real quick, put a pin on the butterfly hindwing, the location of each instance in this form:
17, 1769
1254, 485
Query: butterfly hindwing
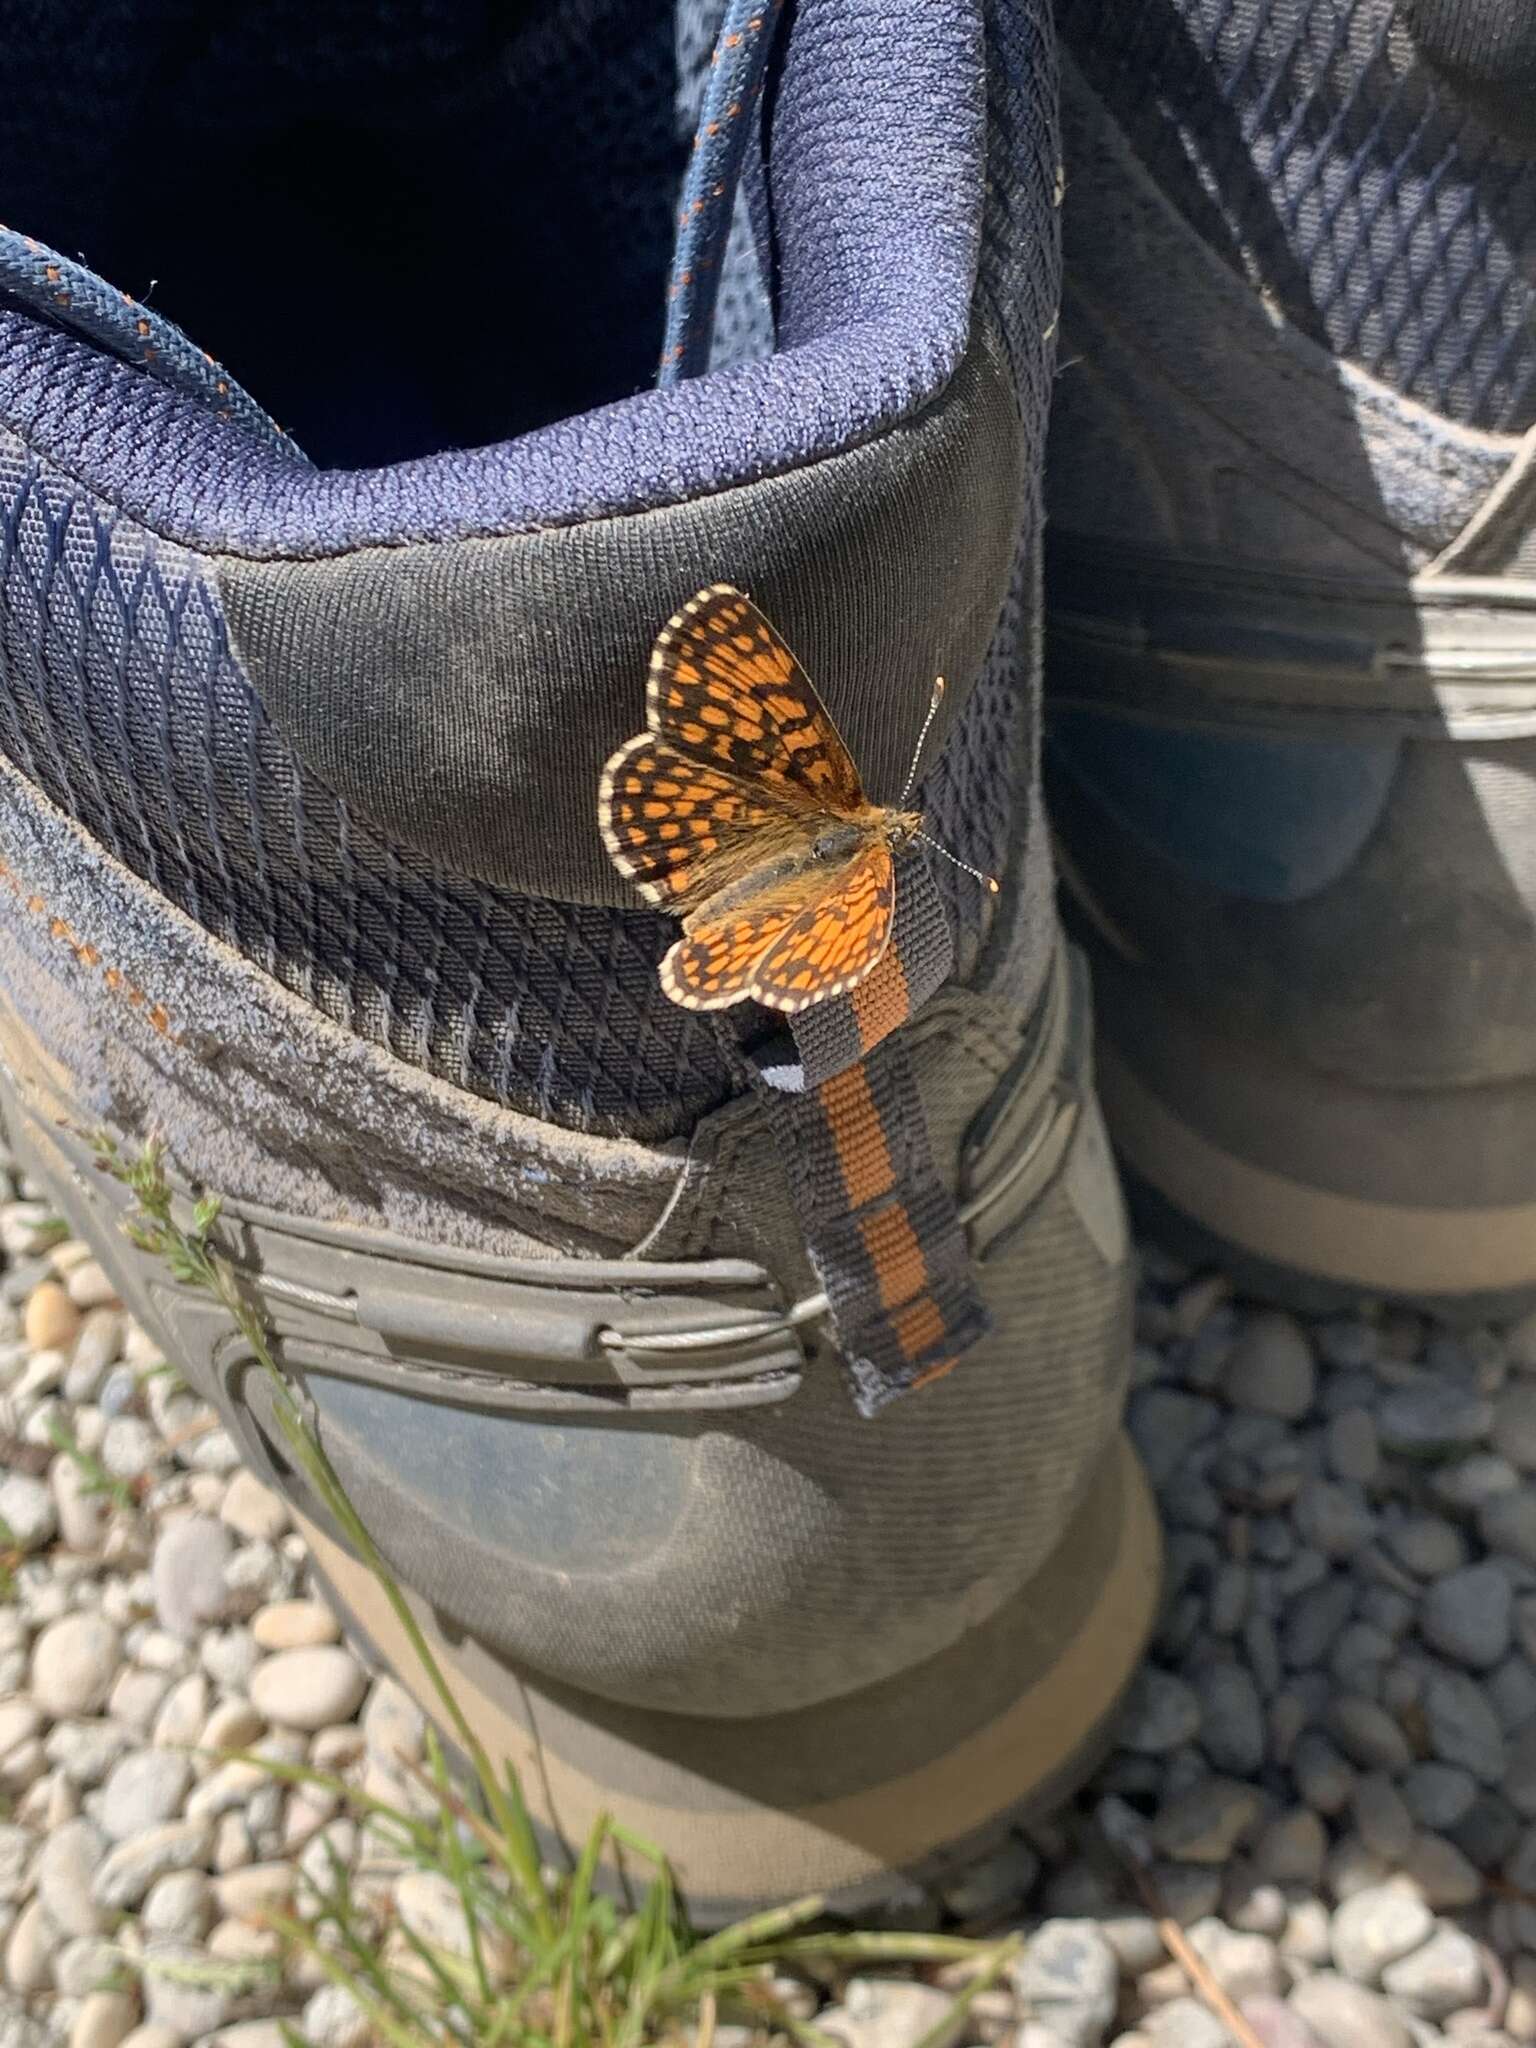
837, 940
725, 688
816, 937
668, 818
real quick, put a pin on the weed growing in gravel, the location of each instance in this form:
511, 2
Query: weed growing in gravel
526, 1956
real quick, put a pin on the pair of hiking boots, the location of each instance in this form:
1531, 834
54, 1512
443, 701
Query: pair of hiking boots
738, 1390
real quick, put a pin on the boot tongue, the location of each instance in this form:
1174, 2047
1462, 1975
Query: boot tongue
67, 295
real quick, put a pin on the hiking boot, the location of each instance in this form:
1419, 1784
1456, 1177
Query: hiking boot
736, 1389
1293, 632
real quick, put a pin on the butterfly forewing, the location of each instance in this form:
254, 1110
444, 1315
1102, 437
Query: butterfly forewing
672, 822
725, 688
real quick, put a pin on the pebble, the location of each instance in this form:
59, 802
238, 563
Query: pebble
1291, 1849
1346, 2015
29, 1951
74, 1662
1443, 1878
1367, 1734
1431, 1418
130, 1448
105, 2020
293, 1625
1462, 1727
1439, 1795
334, 2019
309, 1688
999, 1881
188, 1574
1468, 1615
81, 1514
177, 1907
133, 1866
192, 2008
1427, 1545
1231, 1718
254, 1511
1439, 1978
1068, 1977
1186, 2023
1382, 1820
27, 1511
890, 2012
1270, 1368
1166, 1425
1205, 1824
1514, 1425
1508, 1523
1376, 1925
66, 1865
1333, 1518
51, 1321
142, 1791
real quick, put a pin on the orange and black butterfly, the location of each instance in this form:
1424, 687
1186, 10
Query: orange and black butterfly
740, 808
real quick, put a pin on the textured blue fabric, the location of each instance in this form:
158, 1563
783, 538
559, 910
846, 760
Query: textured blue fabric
1274, 823
1312, 149
876, 149
122, 700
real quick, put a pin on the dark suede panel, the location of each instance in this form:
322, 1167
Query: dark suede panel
464, 695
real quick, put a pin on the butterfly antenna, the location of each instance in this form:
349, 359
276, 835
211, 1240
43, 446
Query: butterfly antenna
987, 881
922, 740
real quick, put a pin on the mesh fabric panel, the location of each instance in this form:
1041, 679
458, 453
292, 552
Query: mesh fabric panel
1309, 146
123, 703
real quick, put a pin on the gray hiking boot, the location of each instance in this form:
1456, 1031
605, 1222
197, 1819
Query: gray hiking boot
737, 1391
1293, 632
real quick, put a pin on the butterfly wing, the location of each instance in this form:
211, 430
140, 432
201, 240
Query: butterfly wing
794, 947
674, 824
724, 688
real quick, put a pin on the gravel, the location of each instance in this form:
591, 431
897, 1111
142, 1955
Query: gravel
1328, 1760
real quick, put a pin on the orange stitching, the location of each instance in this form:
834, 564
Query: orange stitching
89, 956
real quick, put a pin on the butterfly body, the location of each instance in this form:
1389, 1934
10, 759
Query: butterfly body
740, 809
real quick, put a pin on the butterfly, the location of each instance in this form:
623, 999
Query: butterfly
740, 808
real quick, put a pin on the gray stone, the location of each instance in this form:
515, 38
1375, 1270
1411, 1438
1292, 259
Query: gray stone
1508, 1523
1375, 1926
1230, 1597
1242, 1964
1345, 2015
66, 1865
1276, 2026
177, 1907
1313, 1620
999, 1881
1367, 1734
1231, 1718
1468, 1484
170, 1999
1431, 1418
1270, 1369
1468, 1616
1439, 1795
1185, 2023
1350, 1446
188, 1574
1514, 1425
1444, 1879
133, 1866
85, 1751
74, 1662
1291, 1849
1426, 1545
27, 1511
1384, 1822
144, 1790
1512, 1693
1333, 1517
131, 1447
1489, 1832
1205, 1824
1161, 1713
1463, 1729
1324, 1780
1166, 1425
1440, 1978
1069, 1978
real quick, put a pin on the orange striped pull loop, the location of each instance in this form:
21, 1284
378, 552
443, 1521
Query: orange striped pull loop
880, 1221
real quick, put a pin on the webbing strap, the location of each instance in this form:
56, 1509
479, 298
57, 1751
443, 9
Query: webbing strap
880, 1221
